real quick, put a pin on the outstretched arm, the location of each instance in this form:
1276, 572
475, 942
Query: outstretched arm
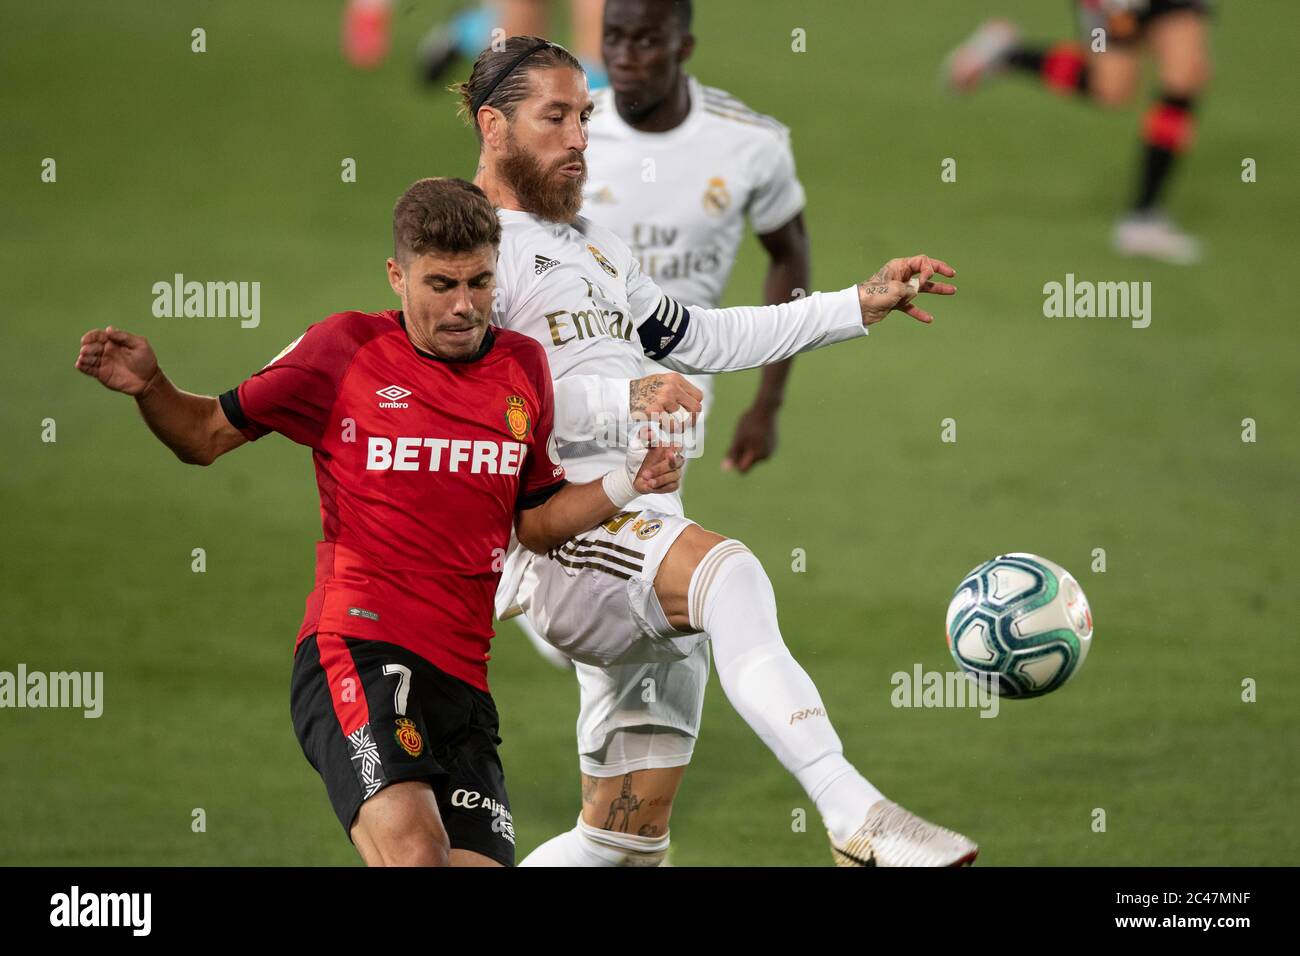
724, 340
193, 426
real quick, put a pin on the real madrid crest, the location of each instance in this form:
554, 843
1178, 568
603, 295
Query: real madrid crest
716, 197
517, 417
646, 528
602, 261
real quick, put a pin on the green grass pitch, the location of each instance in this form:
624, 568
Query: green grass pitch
1072, 435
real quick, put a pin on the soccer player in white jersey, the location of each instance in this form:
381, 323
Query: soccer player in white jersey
675, 170
715, 164
648, 585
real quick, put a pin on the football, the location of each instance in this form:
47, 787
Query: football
1022, 621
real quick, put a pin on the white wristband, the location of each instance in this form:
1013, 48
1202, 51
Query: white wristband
618, 484
618, 488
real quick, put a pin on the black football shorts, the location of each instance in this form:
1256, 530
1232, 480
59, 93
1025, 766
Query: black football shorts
370, 713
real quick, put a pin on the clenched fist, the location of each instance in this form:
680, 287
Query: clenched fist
121, 361
663, 398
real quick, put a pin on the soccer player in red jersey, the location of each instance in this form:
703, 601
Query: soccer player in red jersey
431, 437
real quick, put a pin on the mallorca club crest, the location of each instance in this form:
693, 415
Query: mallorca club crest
517, 417
716, 197
602, 261
408, 735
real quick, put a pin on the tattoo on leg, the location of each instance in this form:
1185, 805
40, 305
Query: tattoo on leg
650, 830
588, 789
624, 805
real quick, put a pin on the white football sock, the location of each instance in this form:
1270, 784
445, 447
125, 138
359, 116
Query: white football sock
731, 599
586, 845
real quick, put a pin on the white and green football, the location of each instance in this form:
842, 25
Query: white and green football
1022, 621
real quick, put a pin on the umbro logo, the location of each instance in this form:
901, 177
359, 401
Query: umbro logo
541, 264
394, 394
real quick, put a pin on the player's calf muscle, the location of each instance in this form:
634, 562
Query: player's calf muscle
639, 803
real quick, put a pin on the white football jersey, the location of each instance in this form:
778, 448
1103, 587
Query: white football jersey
577, 289
680, 198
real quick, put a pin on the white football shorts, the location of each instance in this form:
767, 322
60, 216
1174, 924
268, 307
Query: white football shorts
641, 682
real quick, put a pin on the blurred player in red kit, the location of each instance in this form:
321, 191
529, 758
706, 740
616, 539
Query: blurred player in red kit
1117, 32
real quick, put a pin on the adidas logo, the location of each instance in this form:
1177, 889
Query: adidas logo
541, 264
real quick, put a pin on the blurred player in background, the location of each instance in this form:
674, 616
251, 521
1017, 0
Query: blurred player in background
367, 32
1174, 33
716, 163
649, 585
431, 437
366, 27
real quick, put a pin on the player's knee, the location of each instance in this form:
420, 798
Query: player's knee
418, 849
678, 568
1112, 94
1187, 78
726, 573
404, 843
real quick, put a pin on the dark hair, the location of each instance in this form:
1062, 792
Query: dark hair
684, 12
500, 78
443, 215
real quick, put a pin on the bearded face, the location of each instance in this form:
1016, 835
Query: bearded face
552, 191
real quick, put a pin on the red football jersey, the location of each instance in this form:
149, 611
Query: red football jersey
421, 464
